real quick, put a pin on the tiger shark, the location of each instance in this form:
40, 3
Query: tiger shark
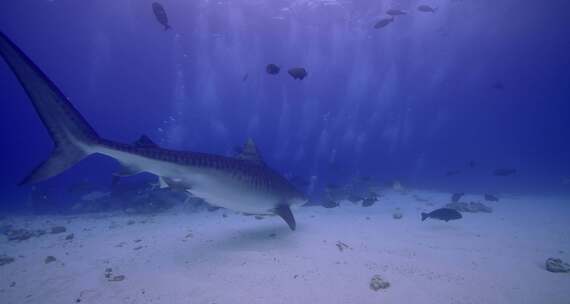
244, 183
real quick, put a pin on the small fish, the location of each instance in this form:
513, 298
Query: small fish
444, 214
297, 73
491, 198
471, 164
456, 197
160, 14
383, 22
426, 9
396, 12
272, 69
498, 86
452, 172
504, 172
244, 78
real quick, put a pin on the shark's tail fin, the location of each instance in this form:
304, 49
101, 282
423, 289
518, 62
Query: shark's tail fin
71, 134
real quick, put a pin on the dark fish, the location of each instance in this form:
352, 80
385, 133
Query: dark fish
452, 172
444, 214
297, 73
426, 9
471, 164
396, 12
504, 172
160, 14
272, 69
383, 22
244, 78
456, 197
491, 198
498, 86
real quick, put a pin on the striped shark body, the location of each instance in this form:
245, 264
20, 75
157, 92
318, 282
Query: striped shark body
244, 183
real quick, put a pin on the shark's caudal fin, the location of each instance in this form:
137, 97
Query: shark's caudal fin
69, 131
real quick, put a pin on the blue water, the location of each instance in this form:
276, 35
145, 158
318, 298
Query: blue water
483, 81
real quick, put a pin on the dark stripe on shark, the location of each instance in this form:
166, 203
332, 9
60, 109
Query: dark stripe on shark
254, 174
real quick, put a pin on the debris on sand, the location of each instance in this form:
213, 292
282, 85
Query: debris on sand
370, 200
329, 203
4, 259
557, 265
108, 272
456, 197
58, 229
397, 215
342, 246
377, 283
22, 234
117, 278
69, 237
491, 198
472, 207
50, 259
420, 199
111, 278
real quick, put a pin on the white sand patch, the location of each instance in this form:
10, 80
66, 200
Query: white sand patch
208, 258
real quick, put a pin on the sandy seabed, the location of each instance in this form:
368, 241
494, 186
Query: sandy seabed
224, 257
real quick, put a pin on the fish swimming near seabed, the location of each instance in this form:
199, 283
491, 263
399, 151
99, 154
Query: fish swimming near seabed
160, 15
235, 183
298, 73
444, 214
427, 9
383, 22
272, 69
396, 12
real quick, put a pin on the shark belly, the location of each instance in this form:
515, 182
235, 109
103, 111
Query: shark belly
230, 194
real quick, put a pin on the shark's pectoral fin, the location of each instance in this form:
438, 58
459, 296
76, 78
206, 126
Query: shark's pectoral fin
284, 211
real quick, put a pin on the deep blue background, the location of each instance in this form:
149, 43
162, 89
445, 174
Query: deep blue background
409, 101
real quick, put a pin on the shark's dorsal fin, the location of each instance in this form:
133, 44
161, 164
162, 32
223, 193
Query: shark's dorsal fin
249, 152
145, 142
